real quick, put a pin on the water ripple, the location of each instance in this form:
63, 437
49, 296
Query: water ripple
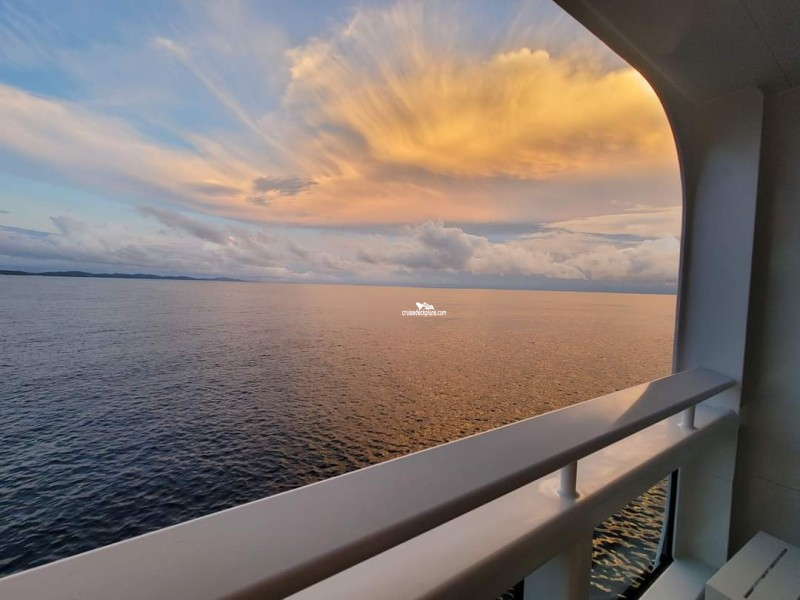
126, 406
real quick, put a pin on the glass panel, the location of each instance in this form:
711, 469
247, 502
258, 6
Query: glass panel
626, 545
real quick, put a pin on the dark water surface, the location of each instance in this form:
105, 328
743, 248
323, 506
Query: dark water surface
126, 406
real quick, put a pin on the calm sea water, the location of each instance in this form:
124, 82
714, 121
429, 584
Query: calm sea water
126, 406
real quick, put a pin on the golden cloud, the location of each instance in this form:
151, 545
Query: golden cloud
432, 102
108, 154
401, 115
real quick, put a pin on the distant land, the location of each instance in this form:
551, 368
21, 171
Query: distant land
116, 275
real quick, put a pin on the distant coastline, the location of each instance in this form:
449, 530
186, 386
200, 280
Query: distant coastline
114, 275
564, 287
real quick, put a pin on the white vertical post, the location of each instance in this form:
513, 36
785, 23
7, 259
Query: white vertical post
566, 576
720, 143
568, 487
687, 419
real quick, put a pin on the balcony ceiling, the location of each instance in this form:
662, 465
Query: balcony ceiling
702, 47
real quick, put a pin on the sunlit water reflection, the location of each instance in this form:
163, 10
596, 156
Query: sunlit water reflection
126, 406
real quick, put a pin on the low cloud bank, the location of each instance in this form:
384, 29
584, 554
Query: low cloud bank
428, 253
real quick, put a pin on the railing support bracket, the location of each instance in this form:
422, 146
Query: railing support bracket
568, 487
687, 419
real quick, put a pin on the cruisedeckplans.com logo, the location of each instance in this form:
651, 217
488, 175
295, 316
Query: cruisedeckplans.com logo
424, 310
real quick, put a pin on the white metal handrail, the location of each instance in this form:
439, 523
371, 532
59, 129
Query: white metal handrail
486, 551
282, 544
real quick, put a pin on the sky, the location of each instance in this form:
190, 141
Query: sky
470, 143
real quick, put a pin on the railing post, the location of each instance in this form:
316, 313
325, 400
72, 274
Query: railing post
568, 487
687, 419
566, 576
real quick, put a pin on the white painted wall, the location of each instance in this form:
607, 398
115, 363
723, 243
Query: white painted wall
767, 479
719, 144
742, 201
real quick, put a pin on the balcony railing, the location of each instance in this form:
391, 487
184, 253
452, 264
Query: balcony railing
465, 519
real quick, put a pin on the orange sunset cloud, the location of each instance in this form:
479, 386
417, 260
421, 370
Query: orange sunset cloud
388, 142
393, 117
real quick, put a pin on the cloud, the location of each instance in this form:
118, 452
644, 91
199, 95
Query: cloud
643, 222
402, 113
214, 188
24, 41
555, 254
267, 188
107, 154
283, 186
424, 253
399, 117
206, 250
430, 245
427, 97
217, 89
70, 226
5, 212
180, 222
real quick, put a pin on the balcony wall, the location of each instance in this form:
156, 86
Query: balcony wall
767, 479
709, 62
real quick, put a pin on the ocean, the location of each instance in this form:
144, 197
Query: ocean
130, 405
